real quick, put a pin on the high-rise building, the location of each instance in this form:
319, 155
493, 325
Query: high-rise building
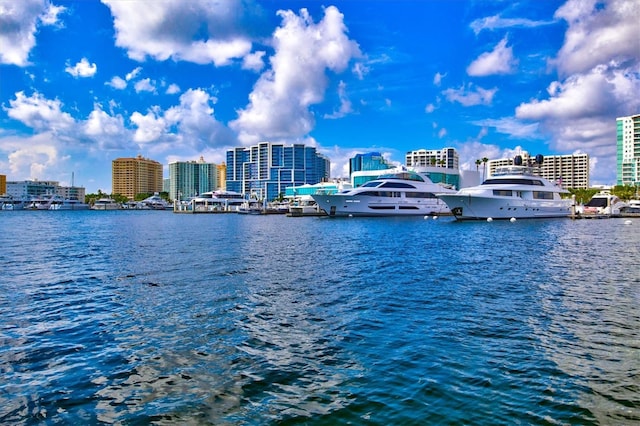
138, 175
191, 178
445, 157
266, 169
569, 171
369, 161
3, 184
628, 150
221, 176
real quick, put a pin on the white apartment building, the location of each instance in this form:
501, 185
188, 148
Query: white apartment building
445, 157
628, 150
570, 171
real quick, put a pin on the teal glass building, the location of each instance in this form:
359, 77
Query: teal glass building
187, 179
265, 170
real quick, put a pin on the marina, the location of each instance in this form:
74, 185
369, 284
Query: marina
230, 319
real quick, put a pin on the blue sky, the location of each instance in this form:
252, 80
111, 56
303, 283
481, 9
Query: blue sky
85, 82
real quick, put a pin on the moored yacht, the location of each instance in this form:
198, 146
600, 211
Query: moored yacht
603, 204
8, 202
511, 192
402, 193
106, 204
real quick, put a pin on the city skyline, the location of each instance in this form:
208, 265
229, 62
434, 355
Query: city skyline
83, 83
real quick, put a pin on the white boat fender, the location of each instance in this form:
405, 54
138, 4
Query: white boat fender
513, 219
435, 217
426, 217
489, 219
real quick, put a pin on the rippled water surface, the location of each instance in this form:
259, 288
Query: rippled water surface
153, 317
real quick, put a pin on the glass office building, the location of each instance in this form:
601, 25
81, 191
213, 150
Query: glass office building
628, 150
191, 178
266, 169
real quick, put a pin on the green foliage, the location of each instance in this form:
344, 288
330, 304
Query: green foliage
625, 192
583, 195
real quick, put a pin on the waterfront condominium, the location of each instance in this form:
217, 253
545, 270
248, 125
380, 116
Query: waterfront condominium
266, 169
628, 150
138, 175
445, 157
190, 178
568, 171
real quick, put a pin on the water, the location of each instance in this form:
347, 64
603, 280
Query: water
152, 317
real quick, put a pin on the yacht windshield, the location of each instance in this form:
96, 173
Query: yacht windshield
513, 181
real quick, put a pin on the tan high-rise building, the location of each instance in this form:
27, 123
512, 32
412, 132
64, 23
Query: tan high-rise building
131, 176
3, 184
221, 176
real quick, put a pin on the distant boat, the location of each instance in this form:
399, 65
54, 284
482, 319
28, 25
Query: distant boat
511, 192
403, 193
155, 202
106, 204
213, 201
8, 202
603, 204
55, 202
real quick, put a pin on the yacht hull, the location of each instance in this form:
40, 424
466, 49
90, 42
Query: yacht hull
340, 205
469, 207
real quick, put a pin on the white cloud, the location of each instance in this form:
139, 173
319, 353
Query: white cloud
468, 96
499, 61
117, 83
600, 92
280, 100
253, 61
509, 126
442, 133
133, 74
82, 69
437, 79
150, 127
39, 113
172, 89
204, 32
345, 103
19, 23
599, 33
145, 85
497, 22
430, 108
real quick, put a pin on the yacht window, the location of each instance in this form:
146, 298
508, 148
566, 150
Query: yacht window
513, 181
503, 192
542, 195
419, 195
371, 184
396, 185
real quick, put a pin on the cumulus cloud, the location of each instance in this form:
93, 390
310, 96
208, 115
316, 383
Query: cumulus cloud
345, 104
82, 69
598, 34
254, 61
497, 22
437, 79
19, 22
39, 113
304, 51
172, 89
470, 95
499, 61
145, 85
204, 32
133, 74
117, 83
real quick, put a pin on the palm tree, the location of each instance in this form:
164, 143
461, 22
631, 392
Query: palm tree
484, 171
478, 162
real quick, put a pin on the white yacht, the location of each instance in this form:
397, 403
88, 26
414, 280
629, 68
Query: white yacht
511, 192
402, 193
603, 204
106, 204
155, 202
8, 202
216, 201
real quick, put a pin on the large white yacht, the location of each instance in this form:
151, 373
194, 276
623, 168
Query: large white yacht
216, 201
603, 204
511, 192
106, 204
402, 193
